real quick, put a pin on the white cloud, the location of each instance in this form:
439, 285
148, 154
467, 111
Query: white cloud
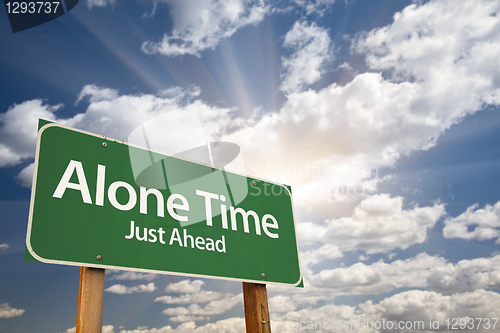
134, 276
230, 325
378, 277
185, 287
413, 306
115, 115
283, 323
218, 303
216, 307
364, 258
99, 3
466, 275
486, 222
4, 246
25, 177
438, 65
200, 25
315, 6
281, 303
97, 94
311, 49
448, 50
186, 327
108, 114
378, 224
121, 289
198, 297
6, 311
417, 305
440, 42
183, 318
422, 271
435, 64
310, 258
18, 130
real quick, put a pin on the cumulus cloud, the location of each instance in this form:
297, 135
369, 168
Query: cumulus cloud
378, 224
185, 287
311, 49
108, 329
417, 305
409, 306
116, 115
132, 276
435, 64
99, 3
121, 289
466, 275
441, 42
341, 313
6, 311
18, 130
198, 297
193, 294
25, 177
486, 223
97, 94
200, 25
216, 307
430, 68
4, 246
447, 50
230, 325
184, 318
378, 277
108, 113
281, 303
310, 258
315, 6
422, 271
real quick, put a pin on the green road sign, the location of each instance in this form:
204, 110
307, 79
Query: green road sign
174, 217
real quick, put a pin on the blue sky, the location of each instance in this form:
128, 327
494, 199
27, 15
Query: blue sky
389, 108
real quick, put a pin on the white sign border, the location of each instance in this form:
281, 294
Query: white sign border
71, 263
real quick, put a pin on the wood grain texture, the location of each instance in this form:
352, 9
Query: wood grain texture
90, 296
256, 308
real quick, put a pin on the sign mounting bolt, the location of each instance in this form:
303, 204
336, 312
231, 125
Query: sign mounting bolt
255, 183
263, 275
98, 257
104, 144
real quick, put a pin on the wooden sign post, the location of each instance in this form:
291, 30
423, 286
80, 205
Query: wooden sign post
90, 298
256, 308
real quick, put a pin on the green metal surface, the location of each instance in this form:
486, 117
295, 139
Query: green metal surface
67, 230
